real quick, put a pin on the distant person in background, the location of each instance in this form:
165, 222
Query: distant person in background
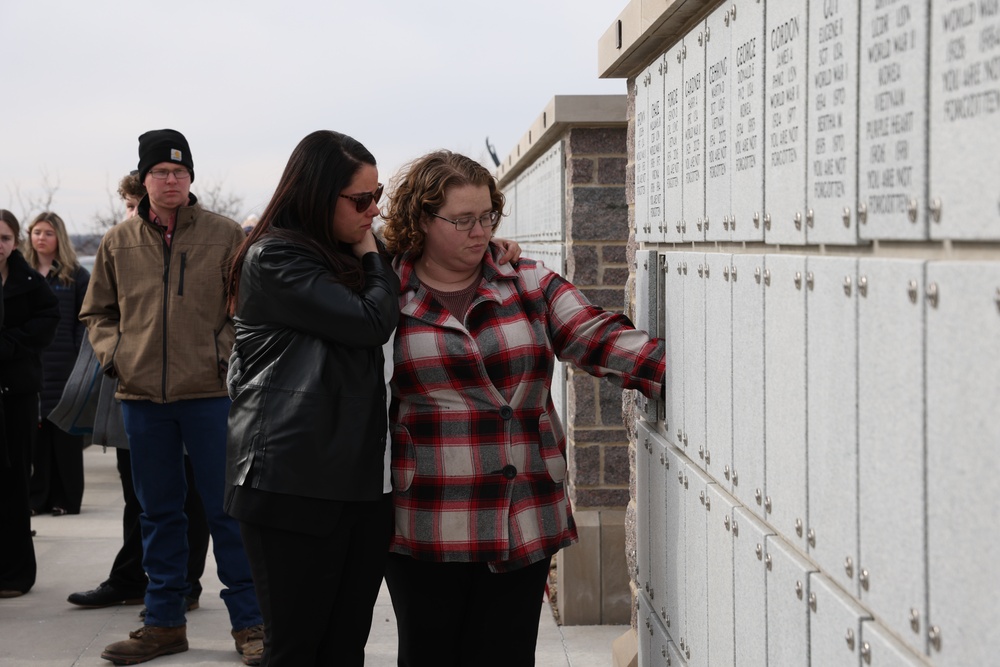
31, 315
57, 472
5, 465
157, 319
249, 223
3, 443
131, 190
126, 584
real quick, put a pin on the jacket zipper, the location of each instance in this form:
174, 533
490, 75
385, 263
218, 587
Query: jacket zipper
166, 297
180, 280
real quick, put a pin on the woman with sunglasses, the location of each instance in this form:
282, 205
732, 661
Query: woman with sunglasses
478, 457
314, 300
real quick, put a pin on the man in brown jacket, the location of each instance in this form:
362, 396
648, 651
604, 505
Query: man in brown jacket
156, 315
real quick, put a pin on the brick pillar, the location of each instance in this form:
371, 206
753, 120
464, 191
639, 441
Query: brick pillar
594, 576
596, 235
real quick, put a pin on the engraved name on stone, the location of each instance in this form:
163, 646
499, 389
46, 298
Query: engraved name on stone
656, 154
964, 162
746, 129
893, 126
786, 92
973, 56
672, 132
718, 134
641, 163
693, 128
829, 95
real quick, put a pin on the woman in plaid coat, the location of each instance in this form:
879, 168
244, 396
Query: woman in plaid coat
478, 459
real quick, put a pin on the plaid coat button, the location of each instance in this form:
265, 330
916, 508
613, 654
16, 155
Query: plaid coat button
506, 412
509, 471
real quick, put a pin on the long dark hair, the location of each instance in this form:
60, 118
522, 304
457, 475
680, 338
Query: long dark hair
302, 208
15, 226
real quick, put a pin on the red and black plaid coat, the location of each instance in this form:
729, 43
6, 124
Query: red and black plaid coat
478, 453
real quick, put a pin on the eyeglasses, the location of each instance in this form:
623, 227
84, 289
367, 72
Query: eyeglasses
364, 200
163, 174
486, 221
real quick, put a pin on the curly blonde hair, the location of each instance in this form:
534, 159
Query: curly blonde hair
420, 188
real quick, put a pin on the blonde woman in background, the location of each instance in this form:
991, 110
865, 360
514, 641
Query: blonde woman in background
57, 474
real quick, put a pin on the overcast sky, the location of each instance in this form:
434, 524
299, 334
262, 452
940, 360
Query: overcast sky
245, 80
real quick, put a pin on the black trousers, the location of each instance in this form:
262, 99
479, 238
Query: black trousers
126, 572
57, 470
317, 594
17, 553
463, 615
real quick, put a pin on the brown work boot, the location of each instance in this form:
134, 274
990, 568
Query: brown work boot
250, 644
146, 643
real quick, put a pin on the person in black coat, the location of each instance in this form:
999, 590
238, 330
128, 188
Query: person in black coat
31, 315
314, 302
57, 471
4, 457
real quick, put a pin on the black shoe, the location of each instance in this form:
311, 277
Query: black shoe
106, 595
192, 604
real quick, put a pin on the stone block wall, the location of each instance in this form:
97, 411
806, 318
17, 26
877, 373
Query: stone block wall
820, 247
594, 580
596, 232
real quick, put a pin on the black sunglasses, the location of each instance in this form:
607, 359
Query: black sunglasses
363, 201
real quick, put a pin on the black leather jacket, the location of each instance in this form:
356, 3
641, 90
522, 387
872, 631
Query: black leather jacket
308, 417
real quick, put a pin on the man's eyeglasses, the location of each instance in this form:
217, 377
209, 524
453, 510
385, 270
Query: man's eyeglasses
364, 200
163, 174
486, 221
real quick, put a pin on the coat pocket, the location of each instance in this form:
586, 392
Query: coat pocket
223, 341
404, 458
551, 448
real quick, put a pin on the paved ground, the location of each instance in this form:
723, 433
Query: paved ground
74, 553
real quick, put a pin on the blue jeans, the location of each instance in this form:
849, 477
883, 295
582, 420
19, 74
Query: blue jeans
157, 435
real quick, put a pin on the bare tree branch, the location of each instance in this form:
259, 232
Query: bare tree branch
212, 198
111, 215
30, 204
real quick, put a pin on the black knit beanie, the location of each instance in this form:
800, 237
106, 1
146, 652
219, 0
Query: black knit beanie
158, 146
